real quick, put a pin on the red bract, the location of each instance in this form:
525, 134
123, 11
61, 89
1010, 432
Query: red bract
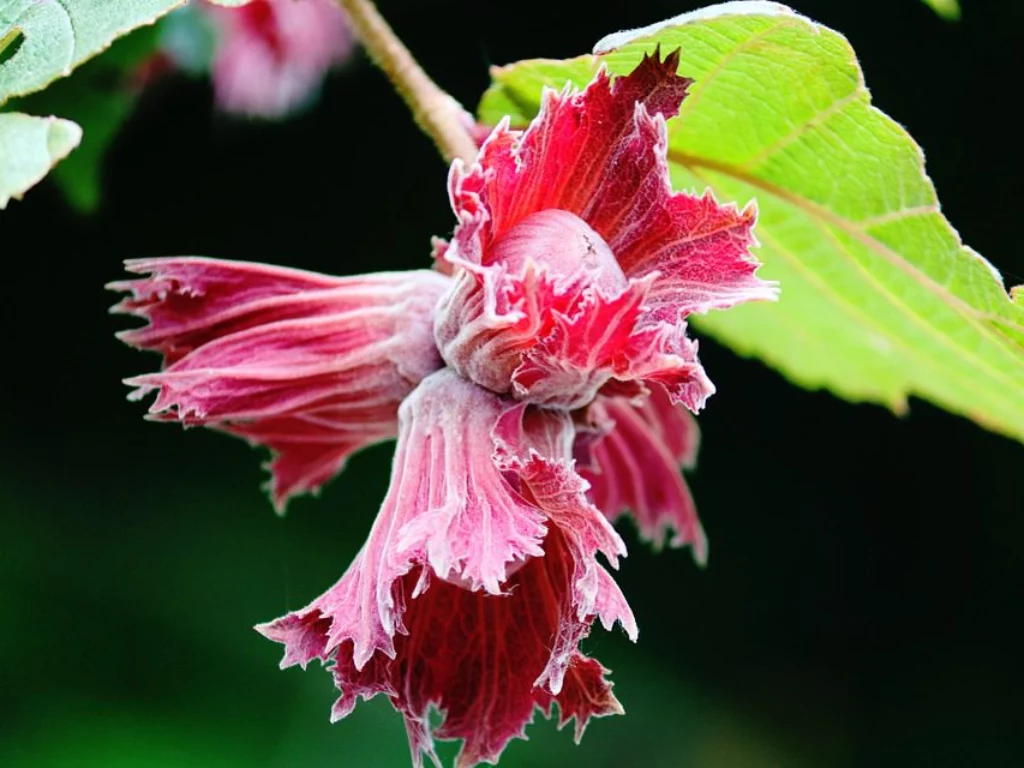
536, 383
575, 263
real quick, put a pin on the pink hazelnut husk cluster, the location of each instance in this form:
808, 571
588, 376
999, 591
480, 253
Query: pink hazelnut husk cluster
539, 382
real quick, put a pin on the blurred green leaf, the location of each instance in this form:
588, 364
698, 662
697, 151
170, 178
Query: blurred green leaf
880, 298
29, 147
947, 9
189, 38
59, 36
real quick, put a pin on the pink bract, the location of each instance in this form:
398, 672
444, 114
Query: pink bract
481, 562
272, 55
314, 367
537, 381
630, 454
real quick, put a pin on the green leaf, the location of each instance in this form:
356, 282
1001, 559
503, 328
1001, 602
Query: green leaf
58, 35
29, 147
99, 96
880, 299
947, 9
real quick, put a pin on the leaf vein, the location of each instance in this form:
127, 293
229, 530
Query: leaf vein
814, 121
690, 102
819, 212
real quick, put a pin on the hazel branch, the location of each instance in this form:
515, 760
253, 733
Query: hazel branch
434, 110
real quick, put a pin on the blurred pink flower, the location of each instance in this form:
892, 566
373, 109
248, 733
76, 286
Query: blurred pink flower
271, 56
536, 382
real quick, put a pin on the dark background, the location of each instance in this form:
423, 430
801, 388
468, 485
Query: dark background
860, 607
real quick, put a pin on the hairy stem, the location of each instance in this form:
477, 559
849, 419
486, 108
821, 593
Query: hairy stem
434, 110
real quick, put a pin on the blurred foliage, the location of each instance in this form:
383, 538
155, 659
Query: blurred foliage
947, 9
189, 39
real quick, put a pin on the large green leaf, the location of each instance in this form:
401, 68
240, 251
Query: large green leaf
29, 147
880, 299
57, 35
